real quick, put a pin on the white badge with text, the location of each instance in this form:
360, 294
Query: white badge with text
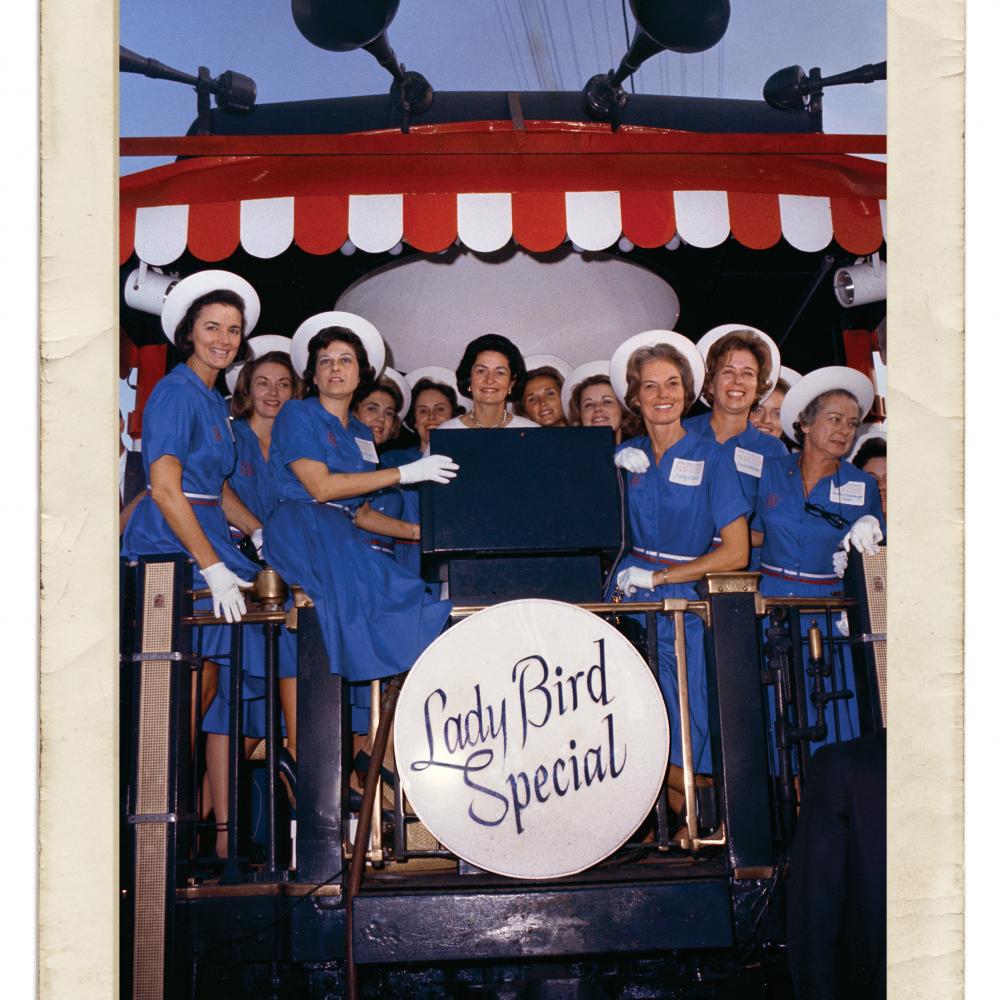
687, 472
367, 449
852, 493
751, 463
531, 739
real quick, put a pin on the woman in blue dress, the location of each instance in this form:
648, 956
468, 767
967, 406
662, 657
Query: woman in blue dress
188, 452
376, 617
435, 400
381, 411
682, 486
260, 388
589, 401
741, 365
814, 506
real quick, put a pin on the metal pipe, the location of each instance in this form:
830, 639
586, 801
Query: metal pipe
272, 737
684, 708
662, 803
231, 871
358, 854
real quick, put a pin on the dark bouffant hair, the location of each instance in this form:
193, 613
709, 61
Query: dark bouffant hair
490, 342
324, 338
874, 447
218, 297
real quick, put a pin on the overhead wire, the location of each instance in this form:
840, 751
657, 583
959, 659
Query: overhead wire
572, 44
553, 48
531, 46
607, 35
521, 82
593, 31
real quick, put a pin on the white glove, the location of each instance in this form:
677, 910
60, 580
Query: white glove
225, 586
865, 534
431, 469
632, 459
841, 624
632, 579
840, 562
257, 537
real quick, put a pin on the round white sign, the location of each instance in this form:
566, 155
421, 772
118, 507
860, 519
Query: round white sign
531, 739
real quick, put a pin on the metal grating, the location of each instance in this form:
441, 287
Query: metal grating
151, 794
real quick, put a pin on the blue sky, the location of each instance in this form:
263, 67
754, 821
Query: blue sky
483, 45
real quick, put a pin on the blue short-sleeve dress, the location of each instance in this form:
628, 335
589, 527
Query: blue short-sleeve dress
186, 419
749, 451
674, 508
797, 554
375, 616
254, 482
408, 553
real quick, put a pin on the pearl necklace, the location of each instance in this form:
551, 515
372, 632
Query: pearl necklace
488, 427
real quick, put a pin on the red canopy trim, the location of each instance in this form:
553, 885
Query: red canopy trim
381, 188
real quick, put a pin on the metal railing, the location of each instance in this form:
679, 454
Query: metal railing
787, 660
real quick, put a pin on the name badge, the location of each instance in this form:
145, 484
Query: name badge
686, 472
852, 493
367, 449
750, 463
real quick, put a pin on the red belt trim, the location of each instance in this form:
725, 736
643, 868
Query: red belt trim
800, 579
655, 561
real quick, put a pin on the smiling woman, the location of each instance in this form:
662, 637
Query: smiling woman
375, 616
681, 486
541, 400
491, 372
816, 505
188, 452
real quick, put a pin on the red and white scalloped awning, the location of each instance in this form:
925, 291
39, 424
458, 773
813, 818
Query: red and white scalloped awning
488, 186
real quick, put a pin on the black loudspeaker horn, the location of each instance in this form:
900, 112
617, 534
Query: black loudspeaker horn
343, 25
678, 25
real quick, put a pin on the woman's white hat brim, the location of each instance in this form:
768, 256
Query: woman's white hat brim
437, 373
790, 375
365, 330
259, 346
580, 374
534, 361
403, 386
870, 432
624, 351
718, 332
180, 297
815, 383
